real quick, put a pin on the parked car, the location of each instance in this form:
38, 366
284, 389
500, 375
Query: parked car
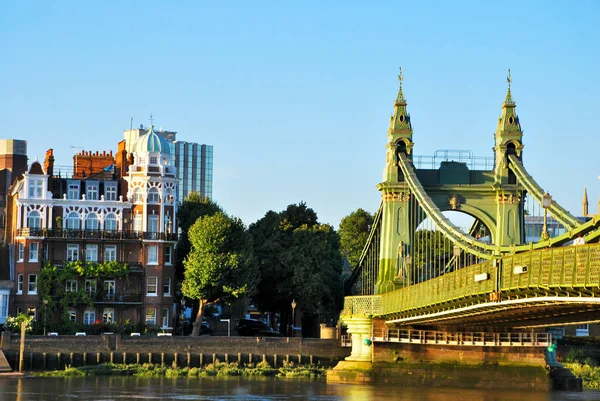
269, 333
250, 327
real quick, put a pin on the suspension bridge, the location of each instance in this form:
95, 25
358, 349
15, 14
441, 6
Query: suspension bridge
505, 272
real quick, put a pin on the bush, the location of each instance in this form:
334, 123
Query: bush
14, 323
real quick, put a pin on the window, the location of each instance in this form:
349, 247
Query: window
90, 287
108, 315
20, 284
168, 224
71, 286
91, 253
165, 318
152, 286
168, 255
582, 330
137, 195
34, 220
167, 286
109, 288
72, 315
73, 221
21, 252
33, 251
3, 306
153, 196
110, 253
151, 317
137, 223
153, 160
35, 189
89, 316
153, 255
72, 252
153, 224
110, 222
32, 284
73, 191
92, 191
110, 192
91, 221
31, 312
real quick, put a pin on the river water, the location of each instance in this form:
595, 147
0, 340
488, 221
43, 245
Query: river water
236, 389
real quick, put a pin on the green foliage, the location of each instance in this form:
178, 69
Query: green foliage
298, 259
220, 264
217, 369
13, 323
590, 375
430, 245
52, 286
354, 232
191, 209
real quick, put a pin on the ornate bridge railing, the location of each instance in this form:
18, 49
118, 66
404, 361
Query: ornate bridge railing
362, 305
466, 338
471, 284
572, 271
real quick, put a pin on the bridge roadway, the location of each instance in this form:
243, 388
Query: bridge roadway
550, 286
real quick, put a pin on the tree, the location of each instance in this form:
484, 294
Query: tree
191, 209
354, 232
220, 263
299, 259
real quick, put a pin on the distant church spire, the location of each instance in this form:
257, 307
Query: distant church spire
585, 203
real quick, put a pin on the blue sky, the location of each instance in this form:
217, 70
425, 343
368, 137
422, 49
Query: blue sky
295, 97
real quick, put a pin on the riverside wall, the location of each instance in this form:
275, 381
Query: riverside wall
57, 352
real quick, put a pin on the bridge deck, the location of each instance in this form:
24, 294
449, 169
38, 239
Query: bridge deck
535, 288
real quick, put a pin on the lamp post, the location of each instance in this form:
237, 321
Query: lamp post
293, 310
546, 202
45, 313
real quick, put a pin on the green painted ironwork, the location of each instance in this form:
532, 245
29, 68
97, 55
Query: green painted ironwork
572, 271
535, 190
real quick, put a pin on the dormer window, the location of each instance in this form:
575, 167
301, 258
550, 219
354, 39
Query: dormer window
153, 160
35, 189
92, 191
73, 190
110, 192
142, 160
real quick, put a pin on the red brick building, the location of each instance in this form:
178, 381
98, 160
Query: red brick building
121, 211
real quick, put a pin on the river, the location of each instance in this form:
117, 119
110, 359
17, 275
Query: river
236, 389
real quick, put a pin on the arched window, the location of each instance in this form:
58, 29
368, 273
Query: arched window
153, 196
137, 195
91, 221
34, 220
73, 221
110, 222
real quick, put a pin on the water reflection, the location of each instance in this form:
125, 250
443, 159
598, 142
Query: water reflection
237, 389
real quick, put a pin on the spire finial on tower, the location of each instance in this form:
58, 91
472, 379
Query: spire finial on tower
400, 77
400, 98
509, 79
151, 119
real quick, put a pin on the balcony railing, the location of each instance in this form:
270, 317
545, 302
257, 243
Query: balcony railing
133, 267
95, 234
124, 298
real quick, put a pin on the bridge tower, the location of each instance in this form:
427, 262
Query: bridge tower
509, 198
395, 195
490, 196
